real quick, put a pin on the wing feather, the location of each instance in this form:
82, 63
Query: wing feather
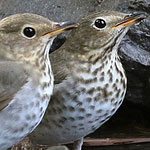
12, 78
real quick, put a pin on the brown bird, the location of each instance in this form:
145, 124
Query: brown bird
26, 39
90, 82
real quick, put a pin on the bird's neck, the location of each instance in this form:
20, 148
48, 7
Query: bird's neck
40, 69
40, 81
39, 86
96, 58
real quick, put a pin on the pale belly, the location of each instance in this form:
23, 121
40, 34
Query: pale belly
21, 116
73, 114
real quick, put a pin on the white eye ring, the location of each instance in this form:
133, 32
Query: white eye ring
28, 32
99, 24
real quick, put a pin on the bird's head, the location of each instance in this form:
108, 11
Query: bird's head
101, 31
26, 37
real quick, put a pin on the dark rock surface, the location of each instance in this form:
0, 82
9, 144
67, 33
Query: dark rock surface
56, 10
134, 51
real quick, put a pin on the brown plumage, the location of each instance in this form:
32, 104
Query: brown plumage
25, 39
90, 83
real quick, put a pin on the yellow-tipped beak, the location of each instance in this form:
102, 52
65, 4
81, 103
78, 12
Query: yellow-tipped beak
62, 28
130, 20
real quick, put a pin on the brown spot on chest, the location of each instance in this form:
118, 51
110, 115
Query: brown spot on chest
101, 79
105, 93
88, 115
71, 119
80, 117
91, 91
82, 110
88, 99
71, 108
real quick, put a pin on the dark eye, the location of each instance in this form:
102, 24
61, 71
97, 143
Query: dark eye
29, 32
100, 23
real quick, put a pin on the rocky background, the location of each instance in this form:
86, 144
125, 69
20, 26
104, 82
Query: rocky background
133, 117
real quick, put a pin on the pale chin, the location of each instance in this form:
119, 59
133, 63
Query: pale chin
49, 44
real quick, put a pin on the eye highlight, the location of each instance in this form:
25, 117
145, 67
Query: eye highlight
100, 23
29, 32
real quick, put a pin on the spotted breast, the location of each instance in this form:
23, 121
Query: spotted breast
90, 82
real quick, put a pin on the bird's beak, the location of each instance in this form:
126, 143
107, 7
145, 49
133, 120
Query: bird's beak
130, 20
61, 28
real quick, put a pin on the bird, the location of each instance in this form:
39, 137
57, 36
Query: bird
90, 82
25, 39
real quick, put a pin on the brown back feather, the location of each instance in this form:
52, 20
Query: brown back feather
12, 78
